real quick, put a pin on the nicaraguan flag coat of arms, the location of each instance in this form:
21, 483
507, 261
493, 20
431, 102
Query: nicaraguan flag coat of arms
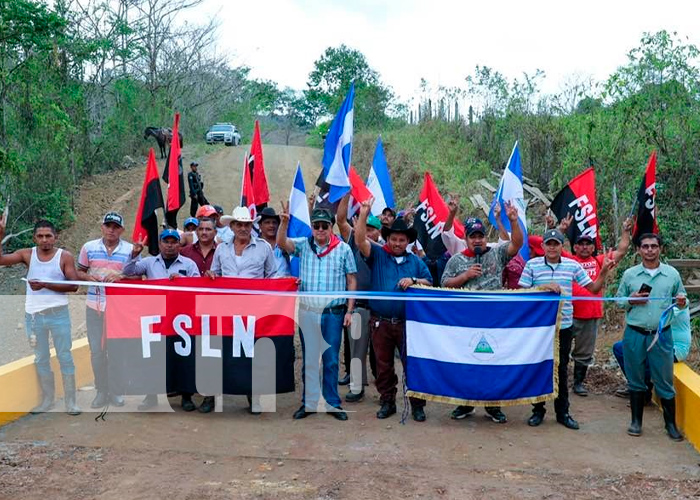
495, 348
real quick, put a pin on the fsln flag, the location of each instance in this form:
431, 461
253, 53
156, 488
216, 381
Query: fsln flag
257, 169
248, 194
379, 181
146, 223
175, 352
511, 189
646, 203
337, 152
429, 220
358, 189
323, 197
496, 351
174, 176
578, 199
299, 220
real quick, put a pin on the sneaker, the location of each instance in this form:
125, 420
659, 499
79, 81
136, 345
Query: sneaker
496, 415
462, 412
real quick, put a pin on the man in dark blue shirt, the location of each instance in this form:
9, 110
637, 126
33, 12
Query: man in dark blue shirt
393, 270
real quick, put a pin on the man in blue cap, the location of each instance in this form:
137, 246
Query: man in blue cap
167, 264
480, 267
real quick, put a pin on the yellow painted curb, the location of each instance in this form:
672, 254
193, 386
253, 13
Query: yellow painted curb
687, 384
20, 386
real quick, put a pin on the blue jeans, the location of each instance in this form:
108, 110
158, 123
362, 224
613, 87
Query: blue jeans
57, 322
320, 333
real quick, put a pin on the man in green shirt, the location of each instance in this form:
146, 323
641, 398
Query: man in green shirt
650, 280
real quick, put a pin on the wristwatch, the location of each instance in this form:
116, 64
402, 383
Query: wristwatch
414, 280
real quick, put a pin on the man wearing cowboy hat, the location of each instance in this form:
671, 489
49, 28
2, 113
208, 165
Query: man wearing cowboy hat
245, 256
269, 223
393, 270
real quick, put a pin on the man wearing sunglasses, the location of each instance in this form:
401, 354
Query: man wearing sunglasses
393, 270
650, 280
326, 265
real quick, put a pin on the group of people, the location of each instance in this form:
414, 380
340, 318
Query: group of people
369, 254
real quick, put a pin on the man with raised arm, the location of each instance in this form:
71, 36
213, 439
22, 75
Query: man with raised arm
480, 267
46, 310
393, 270
326, 265
557, 274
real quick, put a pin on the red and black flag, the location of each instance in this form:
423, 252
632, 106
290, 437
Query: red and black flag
248, 193
430, 217
201, 341
578, 199
256, 165
646, 203
174, 176
146, 224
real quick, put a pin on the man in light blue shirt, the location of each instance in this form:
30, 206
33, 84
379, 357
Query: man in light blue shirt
643, 342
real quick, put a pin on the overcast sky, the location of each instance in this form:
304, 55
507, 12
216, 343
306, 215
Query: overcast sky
442, 41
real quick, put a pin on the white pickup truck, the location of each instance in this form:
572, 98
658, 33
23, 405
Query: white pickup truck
223, 132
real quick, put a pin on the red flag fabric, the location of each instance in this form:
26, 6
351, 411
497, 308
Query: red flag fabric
146, 222
176, 191
435, 209
358, 189
175, 351
646, 203
248, 193
257, 169
578, 199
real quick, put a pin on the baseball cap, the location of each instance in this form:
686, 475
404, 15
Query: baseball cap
373, 221
390, 210
553, 234
113, 217
321, 215
219, 209
191, 220
206, 211
170, 233
194, 164
585, 237
473, 225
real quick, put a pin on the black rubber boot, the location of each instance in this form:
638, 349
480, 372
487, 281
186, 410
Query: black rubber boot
69, 395
637, 407
579, 376
48, 391
669, 408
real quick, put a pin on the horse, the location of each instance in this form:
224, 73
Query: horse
163, 136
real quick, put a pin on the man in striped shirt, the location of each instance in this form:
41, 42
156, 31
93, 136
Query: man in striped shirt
102, 261
557, 274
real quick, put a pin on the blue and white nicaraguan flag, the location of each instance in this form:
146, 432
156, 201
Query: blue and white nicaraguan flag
500, 350
379, 181
299, 220
337, 151
511, 189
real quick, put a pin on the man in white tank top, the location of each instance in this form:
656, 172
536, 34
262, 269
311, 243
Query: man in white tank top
47, 310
